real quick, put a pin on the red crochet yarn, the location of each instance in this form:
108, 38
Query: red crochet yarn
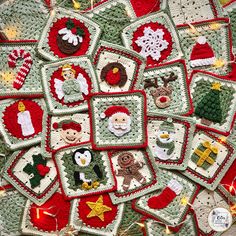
162, 200
60, 24
113, 78
56, 205
84, 210
167, 36
145, 7
10, 118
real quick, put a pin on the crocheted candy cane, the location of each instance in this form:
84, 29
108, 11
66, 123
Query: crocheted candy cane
24, 69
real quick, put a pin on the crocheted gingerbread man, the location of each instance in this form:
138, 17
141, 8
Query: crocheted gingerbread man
129, 169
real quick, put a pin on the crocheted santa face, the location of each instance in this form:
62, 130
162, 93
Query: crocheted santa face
119, 124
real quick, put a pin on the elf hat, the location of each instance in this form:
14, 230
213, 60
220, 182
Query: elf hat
202, 53
114, 109
67, 124
167, 125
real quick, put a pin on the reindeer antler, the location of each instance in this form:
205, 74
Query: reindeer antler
171, 77
148, 83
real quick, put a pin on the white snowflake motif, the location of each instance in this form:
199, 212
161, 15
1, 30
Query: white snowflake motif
152, 43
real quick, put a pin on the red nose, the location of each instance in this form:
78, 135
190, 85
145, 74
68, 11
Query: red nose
163, 99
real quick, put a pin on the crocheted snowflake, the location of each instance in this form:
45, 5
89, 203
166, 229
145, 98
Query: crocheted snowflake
152, 43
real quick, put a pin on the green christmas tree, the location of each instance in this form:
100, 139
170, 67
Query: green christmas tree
209, 108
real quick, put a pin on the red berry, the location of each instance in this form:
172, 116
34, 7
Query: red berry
73, 31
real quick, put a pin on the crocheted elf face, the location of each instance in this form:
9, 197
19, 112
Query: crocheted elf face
83, 159
68, 74
165, 136
71, 135
119, 124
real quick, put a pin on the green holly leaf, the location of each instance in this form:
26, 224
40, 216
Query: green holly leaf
79, 31
70, 24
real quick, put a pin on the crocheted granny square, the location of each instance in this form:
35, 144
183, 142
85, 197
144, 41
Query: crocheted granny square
12, 204
189, 228
228, 184
118, 68
96, 215
231, 10
167, 89
61, 131
68, 34
140, 35
23, 19
214, 101
32, 175
84, 172
116, 119
49, 219
207, 45
204, 203
169, 140
20, 70
21, 122
174, 211
67, 84
210, 158
112, 16
183, 11
136, 175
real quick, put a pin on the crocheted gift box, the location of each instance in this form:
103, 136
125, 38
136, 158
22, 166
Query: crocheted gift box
55, 132
75, 180
167, 89
131, 72
48, 46
32, 79
135, 105
220, 100
211, 176
181, 136
62, 97
134, 178
23, 172
175, 212
21, 122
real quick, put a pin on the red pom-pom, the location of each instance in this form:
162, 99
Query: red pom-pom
55, 125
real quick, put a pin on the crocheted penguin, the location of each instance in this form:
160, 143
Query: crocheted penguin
165, 142
86, 172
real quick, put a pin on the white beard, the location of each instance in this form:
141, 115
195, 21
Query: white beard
119, 130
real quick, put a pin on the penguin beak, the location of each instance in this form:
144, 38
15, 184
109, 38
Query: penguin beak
83, 161
165, 136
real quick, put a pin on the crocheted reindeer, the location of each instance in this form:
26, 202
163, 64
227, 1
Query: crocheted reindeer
162, 95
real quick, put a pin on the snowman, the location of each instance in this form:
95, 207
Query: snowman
165, 141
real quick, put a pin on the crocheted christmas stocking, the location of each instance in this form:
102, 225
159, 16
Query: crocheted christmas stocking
173, 189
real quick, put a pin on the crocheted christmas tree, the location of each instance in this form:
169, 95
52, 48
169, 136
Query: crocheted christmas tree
209, 108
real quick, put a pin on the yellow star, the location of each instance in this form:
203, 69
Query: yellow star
98, 208
216, 86
218, 63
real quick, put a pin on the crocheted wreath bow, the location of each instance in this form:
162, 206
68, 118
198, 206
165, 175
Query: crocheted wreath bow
38, 169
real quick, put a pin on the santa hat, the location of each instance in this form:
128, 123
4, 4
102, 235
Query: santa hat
202, 53
67, 124
167, 125
114, 109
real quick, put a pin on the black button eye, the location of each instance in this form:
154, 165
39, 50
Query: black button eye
74, 133
67, 132
123, 119
116, 119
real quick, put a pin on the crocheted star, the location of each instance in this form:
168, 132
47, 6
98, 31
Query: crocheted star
98, 209
152, 43
216, 86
